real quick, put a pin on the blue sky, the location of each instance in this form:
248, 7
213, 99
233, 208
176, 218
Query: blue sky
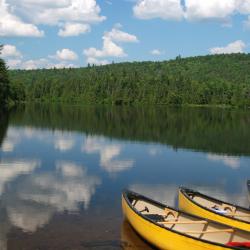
72, 33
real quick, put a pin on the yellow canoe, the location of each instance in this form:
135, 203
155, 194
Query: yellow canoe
202, 205
170, 229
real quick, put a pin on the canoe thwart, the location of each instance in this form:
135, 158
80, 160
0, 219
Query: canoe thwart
183, 222
209, 231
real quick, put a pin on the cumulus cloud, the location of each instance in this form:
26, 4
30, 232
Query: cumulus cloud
41, 63
66, 55
165, 9
243, 6
212, 9
74, 29
10, 51
43, 12
156, 52
73, 15
12, 25
234, 47
191, 9
14, 63
117, 35
95, 61
110, 47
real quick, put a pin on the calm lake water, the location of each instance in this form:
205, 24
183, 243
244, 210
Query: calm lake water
63, 168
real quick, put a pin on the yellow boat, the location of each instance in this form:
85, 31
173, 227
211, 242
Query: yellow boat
202, 205
170, 229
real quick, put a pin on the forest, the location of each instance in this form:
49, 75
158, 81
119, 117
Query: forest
4, 83
222, 80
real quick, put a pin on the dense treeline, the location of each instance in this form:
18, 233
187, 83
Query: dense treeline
220, 131
205, 80
10, 93
4, 83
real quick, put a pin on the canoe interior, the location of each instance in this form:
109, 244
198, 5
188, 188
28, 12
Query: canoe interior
232, 211
186, 224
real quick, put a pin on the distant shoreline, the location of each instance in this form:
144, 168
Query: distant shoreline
214, 80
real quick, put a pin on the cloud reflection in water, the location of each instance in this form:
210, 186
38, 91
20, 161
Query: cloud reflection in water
230, 161
109, 153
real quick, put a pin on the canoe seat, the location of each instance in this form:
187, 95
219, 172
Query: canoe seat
155, 217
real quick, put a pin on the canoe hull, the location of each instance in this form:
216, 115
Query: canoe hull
162, 238
190, 207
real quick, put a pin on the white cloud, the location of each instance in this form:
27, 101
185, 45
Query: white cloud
56, 12
66, 55
243, 6
14, 63
191, 9
11, 25
230, 161
212, 9
10, 51
117, 35
165, 9
74, 29
34, 64
41, 63
110, 47
73, 15
156, 52
95, 61
234, 47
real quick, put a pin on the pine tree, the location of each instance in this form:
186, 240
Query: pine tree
4, 82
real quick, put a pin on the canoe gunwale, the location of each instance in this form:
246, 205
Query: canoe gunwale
183, 191
125, 196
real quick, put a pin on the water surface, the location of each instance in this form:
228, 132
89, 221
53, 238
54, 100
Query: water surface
63, 168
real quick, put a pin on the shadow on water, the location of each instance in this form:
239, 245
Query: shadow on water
131, 240
214, 130
4, 120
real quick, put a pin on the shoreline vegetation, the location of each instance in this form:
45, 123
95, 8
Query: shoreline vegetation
203, 81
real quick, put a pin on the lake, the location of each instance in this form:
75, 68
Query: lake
63, 168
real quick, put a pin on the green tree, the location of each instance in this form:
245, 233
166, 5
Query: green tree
4, 82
